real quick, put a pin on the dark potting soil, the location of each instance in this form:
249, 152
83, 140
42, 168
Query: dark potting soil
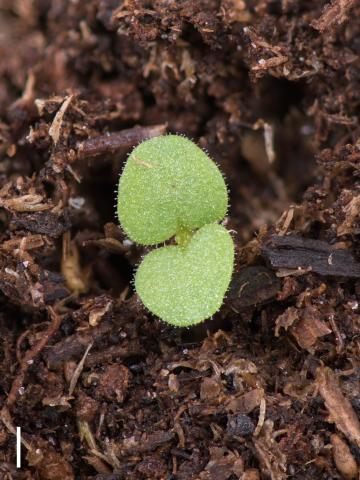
268, 388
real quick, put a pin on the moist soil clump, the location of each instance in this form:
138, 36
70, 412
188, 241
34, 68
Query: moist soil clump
268, 388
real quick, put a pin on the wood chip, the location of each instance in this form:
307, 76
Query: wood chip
304, 324
292, 252
309, 328
246, 402
339, 407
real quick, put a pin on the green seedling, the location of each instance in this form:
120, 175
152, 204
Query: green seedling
170, 188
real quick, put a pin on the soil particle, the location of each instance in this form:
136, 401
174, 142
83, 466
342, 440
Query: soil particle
86, 407
239, 426
113, 383
49, 463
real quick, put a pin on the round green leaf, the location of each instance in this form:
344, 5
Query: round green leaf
169, 185
184, 285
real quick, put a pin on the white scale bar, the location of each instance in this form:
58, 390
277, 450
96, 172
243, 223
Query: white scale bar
18, 447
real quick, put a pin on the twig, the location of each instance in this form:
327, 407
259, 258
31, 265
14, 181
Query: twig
117, 141
19, 342
5, 417
32, 354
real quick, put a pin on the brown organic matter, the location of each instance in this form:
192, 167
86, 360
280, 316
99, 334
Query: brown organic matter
268, 388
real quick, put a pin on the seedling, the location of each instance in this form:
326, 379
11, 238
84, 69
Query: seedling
170, 188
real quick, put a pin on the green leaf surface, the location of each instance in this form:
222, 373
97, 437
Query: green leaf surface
184, 285
169, 185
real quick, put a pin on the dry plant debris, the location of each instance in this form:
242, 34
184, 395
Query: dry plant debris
270, 387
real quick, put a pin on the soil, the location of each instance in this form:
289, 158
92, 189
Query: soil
268, 388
